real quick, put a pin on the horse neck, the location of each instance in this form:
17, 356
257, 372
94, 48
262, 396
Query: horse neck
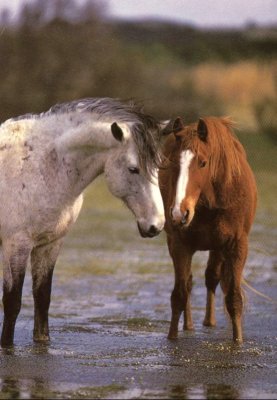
83, 131
219, 194
208, 195
84, 145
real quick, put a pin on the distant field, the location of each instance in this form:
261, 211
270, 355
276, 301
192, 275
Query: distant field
239, 87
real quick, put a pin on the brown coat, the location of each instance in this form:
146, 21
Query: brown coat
216, 214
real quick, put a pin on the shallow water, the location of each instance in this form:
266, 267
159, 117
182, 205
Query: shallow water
110, 314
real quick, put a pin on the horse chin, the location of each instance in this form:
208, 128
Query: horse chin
186, 224
141, 231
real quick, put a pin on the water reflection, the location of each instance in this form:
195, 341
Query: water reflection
22, 372
12, 388
204, 392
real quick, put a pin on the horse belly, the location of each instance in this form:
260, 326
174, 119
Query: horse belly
42, 222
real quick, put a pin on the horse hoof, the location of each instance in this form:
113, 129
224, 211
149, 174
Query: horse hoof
6, 345
188, 328
172, 336
208, 323
41, 338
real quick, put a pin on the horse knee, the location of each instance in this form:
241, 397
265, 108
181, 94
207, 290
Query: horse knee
180, 293
189, 284
176, 299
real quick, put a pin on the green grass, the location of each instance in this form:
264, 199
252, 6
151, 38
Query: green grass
261, 151
262, 156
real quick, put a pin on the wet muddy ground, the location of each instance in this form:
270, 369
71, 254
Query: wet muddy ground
110, 314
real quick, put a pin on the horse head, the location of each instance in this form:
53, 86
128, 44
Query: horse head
128, 180
188, 169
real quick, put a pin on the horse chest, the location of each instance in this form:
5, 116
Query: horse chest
205, 232
198, 238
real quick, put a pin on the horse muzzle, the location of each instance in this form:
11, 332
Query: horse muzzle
150, 232
182, 219
185, 218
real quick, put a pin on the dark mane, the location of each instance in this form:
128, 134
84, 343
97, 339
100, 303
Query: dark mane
144, 128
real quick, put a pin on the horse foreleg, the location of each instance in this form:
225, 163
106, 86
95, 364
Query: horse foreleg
16, 252
212, 278
180, 297
43, 261
188, 322
231, 277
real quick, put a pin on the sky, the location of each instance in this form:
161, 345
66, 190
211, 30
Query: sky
203, 13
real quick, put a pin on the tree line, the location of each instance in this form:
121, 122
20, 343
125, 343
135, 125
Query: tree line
59, 50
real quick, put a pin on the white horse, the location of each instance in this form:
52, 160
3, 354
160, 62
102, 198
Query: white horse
46, 162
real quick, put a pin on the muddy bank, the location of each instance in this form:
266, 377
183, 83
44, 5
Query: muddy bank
121, 351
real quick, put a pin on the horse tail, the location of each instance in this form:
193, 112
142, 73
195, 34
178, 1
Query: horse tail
257, 292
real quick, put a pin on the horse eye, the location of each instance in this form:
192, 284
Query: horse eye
202, 164
133, 170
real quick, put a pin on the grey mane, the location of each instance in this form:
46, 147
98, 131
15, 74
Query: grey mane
145, 128
101, 107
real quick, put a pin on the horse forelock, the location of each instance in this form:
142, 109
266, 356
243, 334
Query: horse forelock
146, 136
222, 146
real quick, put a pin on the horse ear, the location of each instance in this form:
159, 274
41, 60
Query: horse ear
166, 127
117, 132
178, 125
202, 130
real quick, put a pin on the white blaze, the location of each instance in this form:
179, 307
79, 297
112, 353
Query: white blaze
185, 160
156, 195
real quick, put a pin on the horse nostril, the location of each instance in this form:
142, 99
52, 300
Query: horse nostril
185, 217
153, 231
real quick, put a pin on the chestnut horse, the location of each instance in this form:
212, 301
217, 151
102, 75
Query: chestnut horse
209, 195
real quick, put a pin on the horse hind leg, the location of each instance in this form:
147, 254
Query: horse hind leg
43, 261
16, 252
212, 278
231, 277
